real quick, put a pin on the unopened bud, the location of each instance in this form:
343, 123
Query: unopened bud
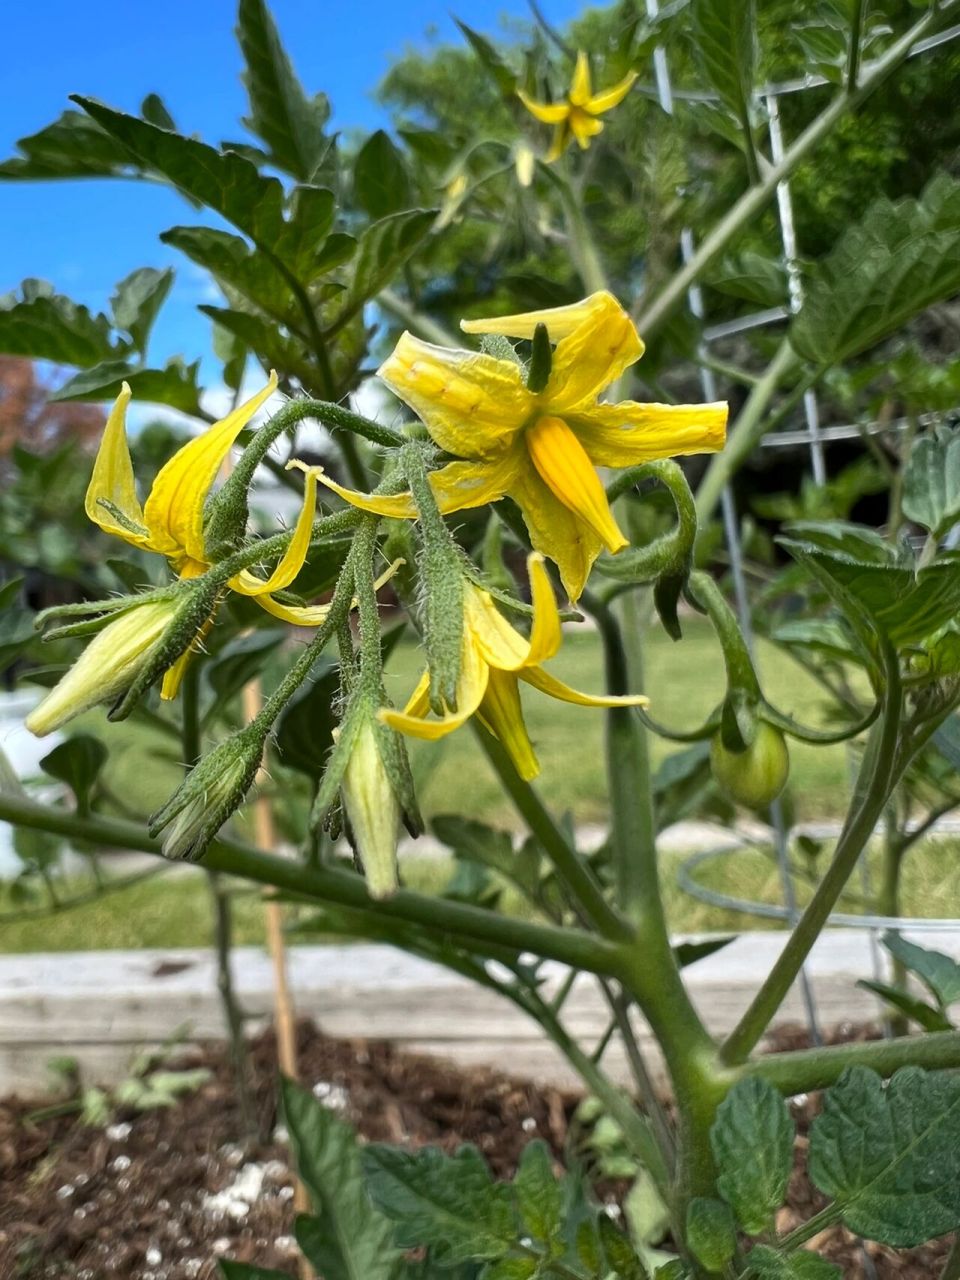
115, 659
373, 811
210, 794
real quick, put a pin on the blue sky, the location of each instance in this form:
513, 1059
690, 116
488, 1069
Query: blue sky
84, 236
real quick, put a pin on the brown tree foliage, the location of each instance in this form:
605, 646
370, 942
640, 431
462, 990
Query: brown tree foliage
30, 419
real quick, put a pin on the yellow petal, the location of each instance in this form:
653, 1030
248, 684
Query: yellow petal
571, 477
622, 435
591, 354
113, 483
501, 712
580, 87
298, 615
174, 510
547, 112
471, 687
561, 140
173, 676
499, 644
549, 684
584, 127
472, 404
247, 584
555, 531
612, 97
456, 487
560, 321
545, 633
418, 704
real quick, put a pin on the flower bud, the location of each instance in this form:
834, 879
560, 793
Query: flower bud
211, 793
755, 776
373, 811
109, 665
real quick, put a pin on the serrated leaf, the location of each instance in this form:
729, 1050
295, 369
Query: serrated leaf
539, 1194
77, 762
380, 177
752, 1142
275, 348
175, 385
289, 121
383, 249
501, 74
923, 1014
901, 259
349, 1237
619, 1252
304, 733
451, 1204
711, 1232
73, 146
753, 277
771, 1264
931, 480
235, 266
890, 1156
46, 326
939, 973
726, 40
137, 302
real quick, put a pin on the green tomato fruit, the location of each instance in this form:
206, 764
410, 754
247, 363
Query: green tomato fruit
754, 777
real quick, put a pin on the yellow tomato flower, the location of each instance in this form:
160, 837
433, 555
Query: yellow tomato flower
171, 520
576, 117
494, 658
541, 448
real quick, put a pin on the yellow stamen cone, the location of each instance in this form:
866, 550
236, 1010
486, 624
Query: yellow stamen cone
571, 477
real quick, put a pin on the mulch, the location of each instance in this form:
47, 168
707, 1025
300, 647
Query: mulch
161, 1195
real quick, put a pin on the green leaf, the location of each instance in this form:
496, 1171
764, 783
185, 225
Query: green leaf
890, 1155
726, 40
244, 1271
690, 952
16, 622
770, 1264
620, 1254
77, 762
449, 1203
235, 266
753, 277
240, 660
384, 247
498, 70
477, 842
516, 1267
72, 147
922, 1013
711, 1232
289, 121
46, 326
175, 385
275, 348
154, 109
304, 733
349, 1238
539, 1194
380, 177
222, 180
938, 972
901, 259
137, 302
931, 480
752, 1142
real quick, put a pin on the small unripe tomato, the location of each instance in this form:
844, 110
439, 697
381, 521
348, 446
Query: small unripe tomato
754, 777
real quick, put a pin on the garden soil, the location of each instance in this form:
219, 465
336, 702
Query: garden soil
162, 1194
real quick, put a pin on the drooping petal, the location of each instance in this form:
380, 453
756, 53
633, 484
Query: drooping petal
607, 99
499, 644
562, 137
549, 684
456, 487
298, 615
111, 500
174, 509
571, 477
584, 127
471, 687
547, 112
501, 713
593, 354
545, 634
580, 86
555, 531
560, 321
622, 435
248, 584
173, 676
472, 404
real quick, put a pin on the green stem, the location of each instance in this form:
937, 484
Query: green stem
481, 927
425, 326
652, 316
568, 864
876, 778
582, 244
856, 32
805, 1069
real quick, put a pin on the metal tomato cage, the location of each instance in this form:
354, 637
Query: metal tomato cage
813, 435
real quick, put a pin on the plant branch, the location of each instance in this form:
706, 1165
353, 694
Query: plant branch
805, 1069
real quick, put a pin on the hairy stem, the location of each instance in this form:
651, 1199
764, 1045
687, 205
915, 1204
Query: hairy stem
806, 1069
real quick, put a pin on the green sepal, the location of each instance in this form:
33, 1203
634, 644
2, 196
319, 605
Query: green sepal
541, 360
396, 761
738, 720
344, 742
